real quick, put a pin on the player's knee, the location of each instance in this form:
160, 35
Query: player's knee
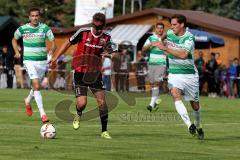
81, 104
156, 85
101, 103
81, 108
195, 105
103, 107
176, 95
36, 87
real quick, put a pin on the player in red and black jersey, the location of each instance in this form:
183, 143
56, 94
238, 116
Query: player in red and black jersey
87, 63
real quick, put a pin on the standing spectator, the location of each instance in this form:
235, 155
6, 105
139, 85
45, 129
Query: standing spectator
61, 66
141, 71
107, 71
8, 64
217, 75
59, 82
238, 79
233, 77
116, 60
201, 65
124, 68
210, 73
224, 77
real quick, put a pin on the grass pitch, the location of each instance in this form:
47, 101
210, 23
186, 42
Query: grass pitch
136, 133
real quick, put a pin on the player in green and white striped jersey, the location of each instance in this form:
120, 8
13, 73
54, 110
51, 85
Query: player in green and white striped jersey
35, 55
156, 64
183, 75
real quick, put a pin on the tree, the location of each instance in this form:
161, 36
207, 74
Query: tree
225, 8
60, 13
18, 9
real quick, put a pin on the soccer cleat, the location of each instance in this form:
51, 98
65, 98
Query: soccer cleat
158, 101
192, 130
28, 108
106, 135
76, 122
149, 108
200, 133
44, 119
155, 107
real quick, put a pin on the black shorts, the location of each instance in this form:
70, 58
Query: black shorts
83, 81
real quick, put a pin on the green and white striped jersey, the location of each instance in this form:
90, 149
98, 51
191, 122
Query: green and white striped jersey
186, 41
34, 41
156, 55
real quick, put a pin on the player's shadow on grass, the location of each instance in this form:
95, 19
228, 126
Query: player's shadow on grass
62, 109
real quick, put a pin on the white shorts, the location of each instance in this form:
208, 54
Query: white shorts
187, 83
36, 69
156, 73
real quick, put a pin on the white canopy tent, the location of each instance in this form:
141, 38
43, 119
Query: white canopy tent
129, 33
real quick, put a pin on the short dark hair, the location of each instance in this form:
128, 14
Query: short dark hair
159, 24
33, 9
99, 17
213, 53
180, 19
235, 59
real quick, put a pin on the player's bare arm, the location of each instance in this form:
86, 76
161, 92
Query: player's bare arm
152, 44
181, 53
15, 47
52, 48
164, 35
61, 51
145, 48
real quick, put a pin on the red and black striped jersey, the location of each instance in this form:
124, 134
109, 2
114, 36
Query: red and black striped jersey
87, 57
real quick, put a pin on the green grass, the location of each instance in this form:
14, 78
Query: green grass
136, 133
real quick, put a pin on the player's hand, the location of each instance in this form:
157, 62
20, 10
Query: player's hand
53, 63
50, 52
160, 45
17, 55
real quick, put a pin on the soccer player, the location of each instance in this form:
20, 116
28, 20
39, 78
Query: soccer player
156, 64
183, 75
87, 64
35, 54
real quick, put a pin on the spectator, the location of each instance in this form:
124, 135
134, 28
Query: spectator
8, 64
61, 66
124, 69
238, 79
201, 65
217, 75
106, 72
233, 77
224, 77
141, 71
210, 73
59, 82
116, 59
